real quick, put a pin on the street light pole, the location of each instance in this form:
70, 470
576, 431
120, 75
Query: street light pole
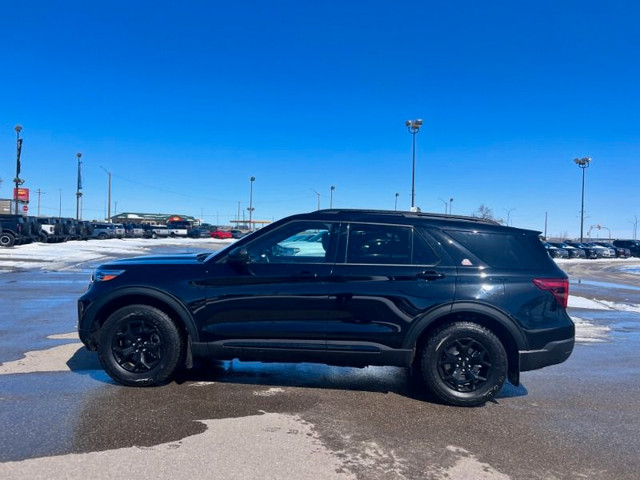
451, 206
18, 181
251, 180
108, 194
583, 163
509, 210
318, 195
395, 207
413, 127
79, 186
446, 205
331, 196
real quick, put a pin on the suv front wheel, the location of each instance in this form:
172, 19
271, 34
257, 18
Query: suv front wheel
140, 346
464, 364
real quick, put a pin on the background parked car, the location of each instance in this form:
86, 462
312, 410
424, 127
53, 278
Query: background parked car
11, 230
220, 234
573, 251
632, 245
160, 231
603, 252
590, 252
198, 232
178, 228
555, 252
621, 252
103, 231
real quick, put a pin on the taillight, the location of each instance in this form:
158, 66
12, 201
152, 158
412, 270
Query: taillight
558, 287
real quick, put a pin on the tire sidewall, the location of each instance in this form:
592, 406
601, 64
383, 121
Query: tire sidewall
433, 350
172, 346
7, 240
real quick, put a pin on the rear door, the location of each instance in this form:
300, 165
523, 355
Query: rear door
386, 277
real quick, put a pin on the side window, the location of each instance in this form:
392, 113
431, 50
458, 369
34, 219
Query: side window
296, 242
379, 244
388, 244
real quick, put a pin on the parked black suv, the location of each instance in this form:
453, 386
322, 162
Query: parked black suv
466, 302
14, 230
632, 245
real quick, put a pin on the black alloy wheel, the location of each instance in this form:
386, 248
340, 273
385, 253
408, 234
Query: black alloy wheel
140, 346
464, 364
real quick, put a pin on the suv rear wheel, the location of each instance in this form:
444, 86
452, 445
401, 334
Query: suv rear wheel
464, 364
140, 346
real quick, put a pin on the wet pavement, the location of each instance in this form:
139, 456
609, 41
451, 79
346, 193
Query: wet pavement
574, 420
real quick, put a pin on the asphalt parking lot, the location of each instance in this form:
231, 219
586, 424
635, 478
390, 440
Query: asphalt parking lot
62, 417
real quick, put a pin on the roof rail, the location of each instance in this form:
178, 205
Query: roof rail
399, 213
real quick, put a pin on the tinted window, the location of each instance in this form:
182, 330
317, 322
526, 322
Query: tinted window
387, 244
296, 242
503, 250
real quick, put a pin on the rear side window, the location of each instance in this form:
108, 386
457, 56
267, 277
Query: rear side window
523, 252
387, 244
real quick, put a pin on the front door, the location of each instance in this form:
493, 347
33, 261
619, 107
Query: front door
275, 306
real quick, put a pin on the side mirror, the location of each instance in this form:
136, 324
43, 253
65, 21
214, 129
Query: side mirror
238, 256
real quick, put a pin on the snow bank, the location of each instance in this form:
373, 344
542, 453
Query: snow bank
58, 256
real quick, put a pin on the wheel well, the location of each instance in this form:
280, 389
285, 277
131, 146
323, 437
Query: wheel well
126, 300
486, 321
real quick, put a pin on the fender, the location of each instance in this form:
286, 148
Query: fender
160, 295
421, 324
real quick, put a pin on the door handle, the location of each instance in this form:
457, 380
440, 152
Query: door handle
430, 275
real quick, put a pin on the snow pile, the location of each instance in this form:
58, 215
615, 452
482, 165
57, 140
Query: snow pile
595, 304
588, 332
58, 256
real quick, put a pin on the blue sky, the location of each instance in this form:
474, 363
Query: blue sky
184, 101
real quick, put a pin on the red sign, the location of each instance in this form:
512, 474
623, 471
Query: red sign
22, 194
25, 208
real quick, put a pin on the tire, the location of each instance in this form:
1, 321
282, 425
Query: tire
140, 346
102, 236
43, 238
464, 364
7, 239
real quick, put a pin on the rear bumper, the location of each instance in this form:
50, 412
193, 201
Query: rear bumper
551, 354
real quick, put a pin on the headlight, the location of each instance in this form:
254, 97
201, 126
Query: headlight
105, 275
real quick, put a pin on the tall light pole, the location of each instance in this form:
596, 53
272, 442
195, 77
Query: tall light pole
251, 180
413, 127
451, 206
583, 163
60, 203
78, 192
395, 206
509, 210
446, 205
318, 195
18, 181
331, 196
108, 194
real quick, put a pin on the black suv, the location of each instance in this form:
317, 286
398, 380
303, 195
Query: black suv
14, 230
466, 302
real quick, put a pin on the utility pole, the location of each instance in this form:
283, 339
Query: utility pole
18, 181
545, 224
39, 192
79, 187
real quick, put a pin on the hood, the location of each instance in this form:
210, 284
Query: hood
179, 259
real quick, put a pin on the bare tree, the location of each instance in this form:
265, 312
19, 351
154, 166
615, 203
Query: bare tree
486, 213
